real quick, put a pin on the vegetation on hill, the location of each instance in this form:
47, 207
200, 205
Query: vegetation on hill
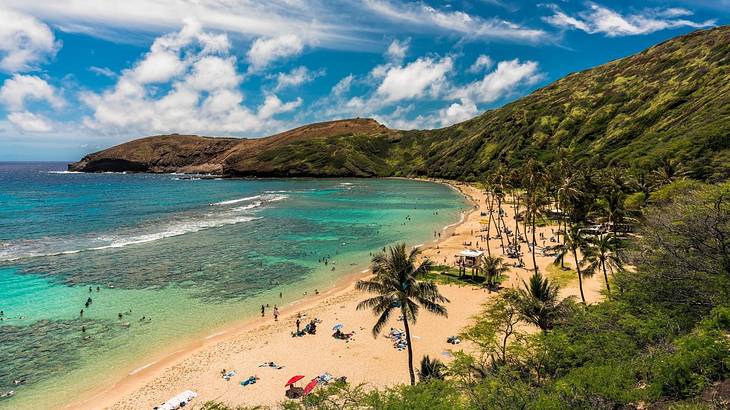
669, 103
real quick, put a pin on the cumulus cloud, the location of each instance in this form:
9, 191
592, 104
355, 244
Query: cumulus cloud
425, 76
457, 112
19, 89
505, 79
397, 50
483, 62
598, 19
296, 77
25, 41
187, 82
421, 16
27, 121
265, 51
273, 105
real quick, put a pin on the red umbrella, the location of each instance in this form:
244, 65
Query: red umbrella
310, 386
294, 380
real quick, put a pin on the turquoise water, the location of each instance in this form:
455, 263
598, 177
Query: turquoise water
188, 255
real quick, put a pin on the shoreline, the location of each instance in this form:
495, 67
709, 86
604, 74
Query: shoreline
109, 395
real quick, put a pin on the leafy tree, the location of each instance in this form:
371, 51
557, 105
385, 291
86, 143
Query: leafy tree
603, 254
397, 287
575, 241
538, 302
494, 269
431, 369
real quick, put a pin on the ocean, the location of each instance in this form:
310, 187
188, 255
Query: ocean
167, 259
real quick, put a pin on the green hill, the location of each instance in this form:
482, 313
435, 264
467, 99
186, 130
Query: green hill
671, 101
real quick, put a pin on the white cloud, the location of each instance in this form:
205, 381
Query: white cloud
27, 121
397, 50
265, 51
103, 71
449, 115
483, 62
457, 112
297, 76
196, 88
343, 86
20, 88
135, 20
599, 19
24, 41
508, 76
420, 78
426, 18
273, 105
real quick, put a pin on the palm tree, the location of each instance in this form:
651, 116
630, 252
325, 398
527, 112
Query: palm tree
538, 302
493, 267
569, 192
603, 253
536, 203
431, 369
574, 240
668, 171
397, 287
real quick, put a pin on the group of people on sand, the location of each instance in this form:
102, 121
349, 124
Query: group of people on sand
310, 328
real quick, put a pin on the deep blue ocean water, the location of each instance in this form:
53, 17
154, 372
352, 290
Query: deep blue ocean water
187, 254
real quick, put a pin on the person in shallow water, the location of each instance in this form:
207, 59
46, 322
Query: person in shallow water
262, 310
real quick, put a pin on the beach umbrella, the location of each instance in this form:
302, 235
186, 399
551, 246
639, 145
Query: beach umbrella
294, 380
338, 326
310, 386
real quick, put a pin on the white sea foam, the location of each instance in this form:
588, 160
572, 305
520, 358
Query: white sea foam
238, 200
139, 369
54, 246
62, 172
264, 198
175, 230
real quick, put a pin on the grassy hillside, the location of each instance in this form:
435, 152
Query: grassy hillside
671, 101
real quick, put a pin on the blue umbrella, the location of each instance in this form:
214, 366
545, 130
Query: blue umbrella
338, 326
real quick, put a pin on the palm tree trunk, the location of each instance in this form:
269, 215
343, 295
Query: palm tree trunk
565, 230
410, 348
490, 209
605, 276
517, 223
534, 258
499, 218
580, 276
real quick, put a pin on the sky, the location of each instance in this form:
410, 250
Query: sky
79, 76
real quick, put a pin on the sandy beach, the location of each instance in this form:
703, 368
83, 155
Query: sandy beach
244, 346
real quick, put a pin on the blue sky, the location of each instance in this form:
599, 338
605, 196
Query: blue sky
78, 76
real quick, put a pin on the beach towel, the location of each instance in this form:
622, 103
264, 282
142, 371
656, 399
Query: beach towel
181, 400
228, 375
250, 380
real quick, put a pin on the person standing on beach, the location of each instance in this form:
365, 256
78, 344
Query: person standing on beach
262, 310
276, 313
298, 323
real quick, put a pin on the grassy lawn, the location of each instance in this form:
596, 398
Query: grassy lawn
449, 275
560, 276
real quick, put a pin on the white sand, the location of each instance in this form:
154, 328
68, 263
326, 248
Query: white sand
364, 359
